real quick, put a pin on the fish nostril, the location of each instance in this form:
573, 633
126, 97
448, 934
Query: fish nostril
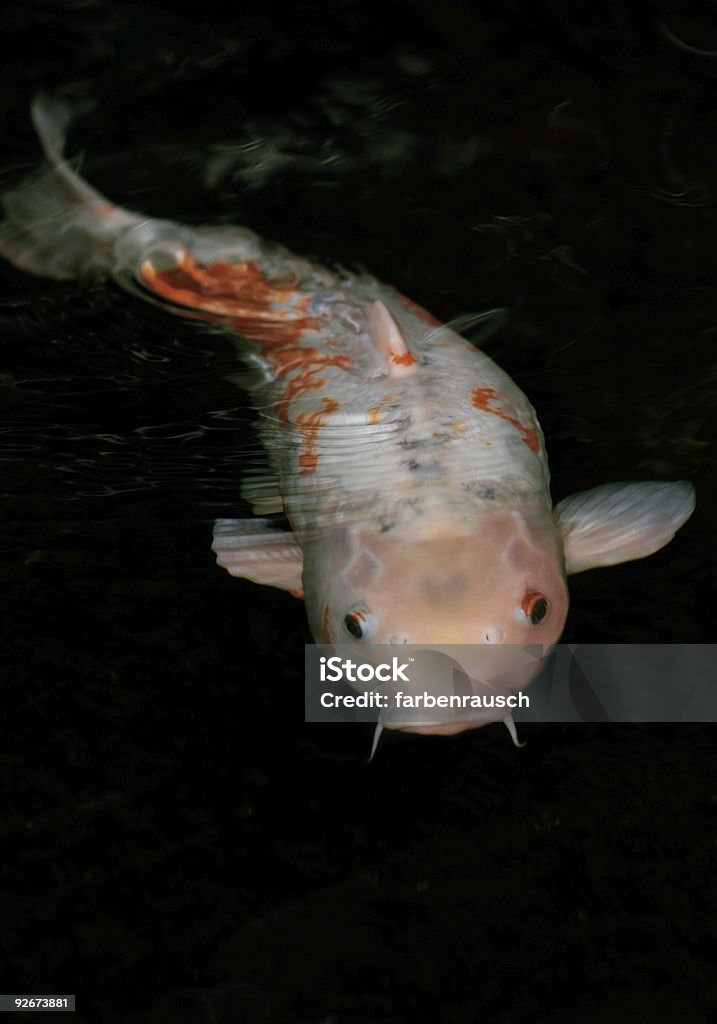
492, 636
398, 639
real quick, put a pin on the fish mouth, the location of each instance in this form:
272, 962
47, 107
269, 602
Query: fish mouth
435, 728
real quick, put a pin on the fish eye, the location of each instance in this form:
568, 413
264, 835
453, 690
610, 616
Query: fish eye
535, 607
356, 623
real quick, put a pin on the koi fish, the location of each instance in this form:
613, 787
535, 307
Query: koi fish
411, 469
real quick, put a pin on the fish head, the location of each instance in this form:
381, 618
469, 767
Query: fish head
476, 595
502, 581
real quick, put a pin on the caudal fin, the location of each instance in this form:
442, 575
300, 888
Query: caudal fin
56, 225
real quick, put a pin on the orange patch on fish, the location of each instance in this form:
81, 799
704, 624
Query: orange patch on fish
483, 399
459, 428
310, 424
269, 311
405, 359
302, 365
307, 379
266, 310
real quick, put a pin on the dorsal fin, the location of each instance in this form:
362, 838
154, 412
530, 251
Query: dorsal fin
389, 339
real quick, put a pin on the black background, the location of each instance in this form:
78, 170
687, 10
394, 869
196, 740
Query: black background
177, 845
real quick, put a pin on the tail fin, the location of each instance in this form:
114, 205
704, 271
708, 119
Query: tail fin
56, 224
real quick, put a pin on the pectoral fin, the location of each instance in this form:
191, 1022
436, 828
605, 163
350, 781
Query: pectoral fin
621, 522
255, 550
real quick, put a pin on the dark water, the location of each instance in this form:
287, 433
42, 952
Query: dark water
177, 844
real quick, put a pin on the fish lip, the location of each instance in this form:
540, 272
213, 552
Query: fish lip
435, 728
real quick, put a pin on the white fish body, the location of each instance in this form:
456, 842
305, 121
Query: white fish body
411, 468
